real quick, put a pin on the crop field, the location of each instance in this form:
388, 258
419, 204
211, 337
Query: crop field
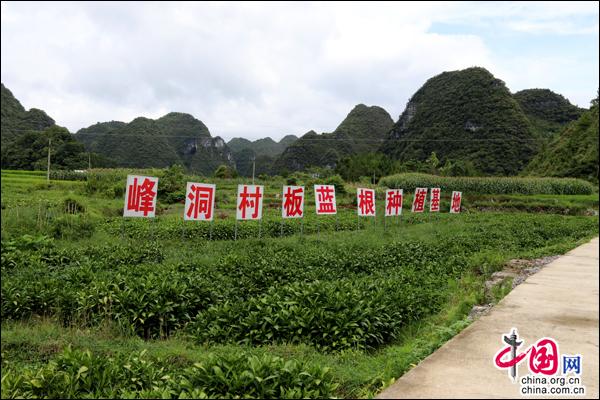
94, 305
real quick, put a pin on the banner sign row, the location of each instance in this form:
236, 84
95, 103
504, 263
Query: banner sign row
141, 192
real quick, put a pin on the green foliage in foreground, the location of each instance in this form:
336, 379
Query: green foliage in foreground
77, 374
490, 185
354, 291
367, 289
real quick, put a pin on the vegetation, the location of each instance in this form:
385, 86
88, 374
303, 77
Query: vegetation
15, 119
262, 147
261, 153
330, 294
361, 131
574, 153
466, 116
175, 138
82, 374
490, 185
26, 135
94, 305
373, 166
549, 112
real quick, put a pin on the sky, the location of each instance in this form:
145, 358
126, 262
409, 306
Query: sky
270, 69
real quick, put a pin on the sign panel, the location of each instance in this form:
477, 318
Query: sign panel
393, 202
434, 204
456, 200
325, 199
249, 202
292, 203
199, 202
418, 205
140, 196
365, 202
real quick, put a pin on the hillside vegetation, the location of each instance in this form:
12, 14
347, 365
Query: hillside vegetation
27, 134
574, 152
466, 115
262, 151
547, 111
175, 138
362, 130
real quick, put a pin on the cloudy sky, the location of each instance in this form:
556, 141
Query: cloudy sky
264, 69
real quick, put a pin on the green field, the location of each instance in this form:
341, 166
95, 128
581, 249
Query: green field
97, 306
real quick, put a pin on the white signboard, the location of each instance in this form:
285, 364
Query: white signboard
199, 202
140, 196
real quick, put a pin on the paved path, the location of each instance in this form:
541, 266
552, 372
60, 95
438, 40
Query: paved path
560, 301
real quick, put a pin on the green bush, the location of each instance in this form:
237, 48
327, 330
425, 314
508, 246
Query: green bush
338, 182
71, 227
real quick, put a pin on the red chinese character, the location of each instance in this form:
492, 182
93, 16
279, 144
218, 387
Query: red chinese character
366, 202
140, 198
201, 202
511, 362
250, 200
326, 199
456, 198
293, 202
544, 357
393, 202
435, 200
419, 200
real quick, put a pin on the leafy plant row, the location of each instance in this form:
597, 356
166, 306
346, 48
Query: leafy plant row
82, 374
489, 185
332, 295
165, 229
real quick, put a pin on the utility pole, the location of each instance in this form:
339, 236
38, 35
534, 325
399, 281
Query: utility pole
48, 173
253, 167
89, 161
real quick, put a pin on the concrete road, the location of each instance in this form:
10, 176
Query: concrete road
560, 302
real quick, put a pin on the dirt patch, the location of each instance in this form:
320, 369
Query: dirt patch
518, 270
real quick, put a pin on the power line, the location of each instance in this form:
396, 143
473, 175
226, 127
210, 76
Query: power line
368, 140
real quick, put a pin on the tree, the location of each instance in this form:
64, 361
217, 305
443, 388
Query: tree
225, 172
30, 150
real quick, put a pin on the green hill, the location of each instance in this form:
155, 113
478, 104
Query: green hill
175, 138
262, 147
262, 151
15, 119
574, 153
549, 112
27, 134
466, 115
361, 131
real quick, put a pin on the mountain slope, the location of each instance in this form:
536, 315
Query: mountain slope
175, 138
466, 115
574, 153
15, 120
262, 152
262, 147
361, 131
549, 112
26, 136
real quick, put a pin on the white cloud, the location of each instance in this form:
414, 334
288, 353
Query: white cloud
262, 69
